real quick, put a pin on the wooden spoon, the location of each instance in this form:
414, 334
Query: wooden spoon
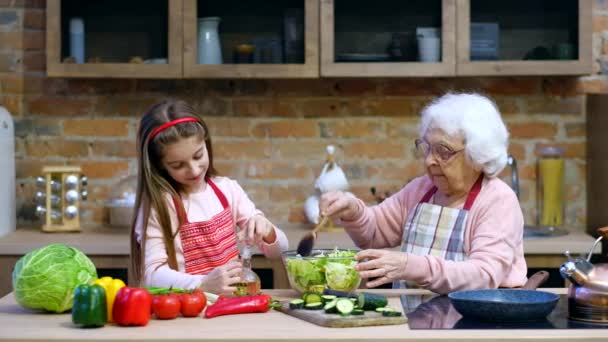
308, 240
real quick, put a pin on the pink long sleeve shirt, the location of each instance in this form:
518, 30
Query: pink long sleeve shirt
200, 206
493, 239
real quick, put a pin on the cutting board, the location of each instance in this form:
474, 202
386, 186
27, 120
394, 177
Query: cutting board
319, 317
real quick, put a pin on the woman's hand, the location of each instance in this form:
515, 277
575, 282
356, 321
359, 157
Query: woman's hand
338, 204
258, 229
221, 279
385, 266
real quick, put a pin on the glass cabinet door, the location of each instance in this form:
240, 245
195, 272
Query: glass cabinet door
524, 37
113, 38
251, 39
388, 38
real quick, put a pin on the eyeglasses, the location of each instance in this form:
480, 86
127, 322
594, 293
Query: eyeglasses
441, 152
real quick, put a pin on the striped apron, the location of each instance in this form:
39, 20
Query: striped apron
208, 244
435, 230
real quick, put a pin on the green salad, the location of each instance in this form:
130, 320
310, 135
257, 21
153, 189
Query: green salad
334, 269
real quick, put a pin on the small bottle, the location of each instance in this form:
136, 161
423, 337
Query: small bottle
250, 283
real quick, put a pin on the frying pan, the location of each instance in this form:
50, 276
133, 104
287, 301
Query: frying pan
507, 305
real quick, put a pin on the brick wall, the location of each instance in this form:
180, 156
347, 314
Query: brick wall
270, 135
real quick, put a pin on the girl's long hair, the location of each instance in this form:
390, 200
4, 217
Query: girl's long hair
153, 181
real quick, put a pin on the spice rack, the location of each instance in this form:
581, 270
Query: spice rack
60, 190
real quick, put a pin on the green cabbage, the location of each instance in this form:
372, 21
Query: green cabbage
45, 279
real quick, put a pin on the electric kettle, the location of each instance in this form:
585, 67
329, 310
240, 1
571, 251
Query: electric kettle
588, 293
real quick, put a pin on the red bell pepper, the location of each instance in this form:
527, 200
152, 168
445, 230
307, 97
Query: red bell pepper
239, 305
132, 306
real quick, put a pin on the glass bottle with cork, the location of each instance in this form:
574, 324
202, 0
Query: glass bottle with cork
250, 283
550, 187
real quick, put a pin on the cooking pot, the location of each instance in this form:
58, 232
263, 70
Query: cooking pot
507, 305
588, 292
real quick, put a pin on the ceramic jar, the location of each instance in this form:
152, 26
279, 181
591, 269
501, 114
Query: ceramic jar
209, 48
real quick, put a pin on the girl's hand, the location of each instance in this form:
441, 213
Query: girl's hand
258, 229
338, 204
385, 266
219, 280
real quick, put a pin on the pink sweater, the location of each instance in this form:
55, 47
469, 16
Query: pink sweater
200, 206
493, 238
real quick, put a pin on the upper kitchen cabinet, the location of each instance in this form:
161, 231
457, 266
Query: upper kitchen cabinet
524, 37
251, 39
114, 38
388, 38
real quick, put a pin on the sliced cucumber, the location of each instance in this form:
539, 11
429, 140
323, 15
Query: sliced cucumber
313, 306
357, 312
345, 306
330, 307
312, 297
328, 298
391, 313
296, 304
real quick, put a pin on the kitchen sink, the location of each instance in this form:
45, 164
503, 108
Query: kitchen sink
534, 232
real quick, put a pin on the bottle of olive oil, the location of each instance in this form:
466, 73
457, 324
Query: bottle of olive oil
250, 282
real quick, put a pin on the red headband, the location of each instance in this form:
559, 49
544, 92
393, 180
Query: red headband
169, 124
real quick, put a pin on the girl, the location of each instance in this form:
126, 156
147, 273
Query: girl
184, 231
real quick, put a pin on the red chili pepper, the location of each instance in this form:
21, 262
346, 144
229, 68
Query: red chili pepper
132, 306
239, 305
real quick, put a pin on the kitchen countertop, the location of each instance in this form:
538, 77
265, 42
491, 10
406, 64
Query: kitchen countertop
24, 325
108, 248
115, 241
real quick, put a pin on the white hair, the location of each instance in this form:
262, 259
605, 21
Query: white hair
478, 120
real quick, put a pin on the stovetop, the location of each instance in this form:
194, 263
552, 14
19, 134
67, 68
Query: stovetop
437, 312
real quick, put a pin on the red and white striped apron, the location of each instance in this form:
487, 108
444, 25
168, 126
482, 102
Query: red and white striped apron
208, 244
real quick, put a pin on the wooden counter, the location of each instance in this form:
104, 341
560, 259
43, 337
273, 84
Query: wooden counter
109, 248
24, 325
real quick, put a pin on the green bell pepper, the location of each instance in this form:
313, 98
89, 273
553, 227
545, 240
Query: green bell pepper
89, 308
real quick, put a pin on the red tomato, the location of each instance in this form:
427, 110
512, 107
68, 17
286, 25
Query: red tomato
193, 303
166, 306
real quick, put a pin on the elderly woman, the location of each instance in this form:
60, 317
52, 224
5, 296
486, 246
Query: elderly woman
459, 226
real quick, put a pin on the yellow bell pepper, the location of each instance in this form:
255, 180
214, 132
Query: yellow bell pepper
111, 286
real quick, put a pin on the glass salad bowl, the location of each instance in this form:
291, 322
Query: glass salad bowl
323, 268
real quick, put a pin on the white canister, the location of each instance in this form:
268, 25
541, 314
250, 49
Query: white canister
209, 48
429, 49
7, 173
77, 39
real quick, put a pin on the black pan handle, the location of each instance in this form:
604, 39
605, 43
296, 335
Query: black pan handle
536, 280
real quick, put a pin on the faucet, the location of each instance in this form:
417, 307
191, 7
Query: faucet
512, 162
